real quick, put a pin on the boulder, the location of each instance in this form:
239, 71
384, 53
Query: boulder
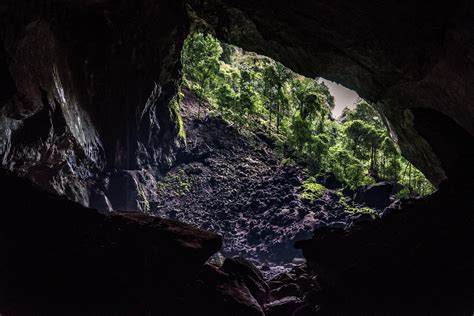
132, 190
330, 181
376, 195
283, 307
59, 253
247, 273
99, 201
290, 289
418, 251
219, 293
362, 218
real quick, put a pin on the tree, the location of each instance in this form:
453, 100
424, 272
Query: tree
255, 91
275, 78
363, 111
201, 62
346, 167
390, 166
364, 140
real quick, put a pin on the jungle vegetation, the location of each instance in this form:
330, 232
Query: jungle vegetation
254, 93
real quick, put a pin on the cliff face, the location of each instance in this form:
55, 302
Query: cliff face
86, 88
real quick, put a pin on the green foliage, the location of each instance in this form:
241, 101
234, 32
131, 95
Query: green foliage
347, 167
413, 181
312, 190
254, 92
351, 209
176, 113
175, 184
143, 201
363, 112
201, 55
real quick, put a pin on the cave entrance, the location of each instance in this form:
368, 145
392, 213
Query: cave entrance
272, 155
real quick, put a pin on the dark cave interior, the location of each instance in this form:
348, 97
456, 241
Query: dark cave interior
88, 110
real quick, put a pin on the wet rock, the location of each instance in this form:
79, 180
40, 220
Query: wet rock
306, 310
283, 277
395, 207
275, 284
298, 261
348, 192
337, 225
304, 282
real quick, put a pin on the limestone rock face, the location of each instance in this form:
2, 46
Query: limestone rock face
86, 88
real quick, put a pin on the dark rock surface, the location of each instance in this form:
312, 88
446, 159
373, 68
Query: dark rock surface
220, 293
375, 195
99, 97
413, 259
59, 257
232, 183
86, 88
330, 181
283, 307
247, 273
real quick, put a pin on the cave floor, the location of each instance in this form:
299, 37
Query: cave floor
233, 184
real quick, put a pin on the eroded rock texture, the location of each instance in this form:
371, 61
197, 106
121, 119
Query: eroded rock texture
86, 88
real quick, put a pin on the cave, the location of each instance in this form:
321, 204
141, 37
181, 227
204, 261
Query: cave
94, 133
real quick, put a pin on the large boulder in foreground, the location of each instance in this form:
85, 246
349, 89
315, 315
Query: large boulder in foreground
56, 253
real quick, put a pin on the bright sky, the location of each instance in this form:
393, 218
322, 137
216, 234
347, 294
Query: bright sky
343, 97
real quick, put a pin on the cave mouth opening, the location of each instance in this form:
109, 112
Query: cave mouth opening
272, 155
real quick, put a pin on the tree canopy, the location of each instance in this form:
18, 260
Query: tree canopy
255, 92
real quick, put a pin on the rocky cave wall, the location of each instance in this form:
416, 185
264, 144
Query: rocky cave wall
87, 90
86, 94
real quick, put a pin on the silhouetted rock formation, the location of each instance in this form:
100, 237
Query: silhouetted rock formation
375, 195
86, 88
58, 256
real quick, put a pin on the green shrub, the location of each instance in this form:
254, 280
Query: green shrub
312, 190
